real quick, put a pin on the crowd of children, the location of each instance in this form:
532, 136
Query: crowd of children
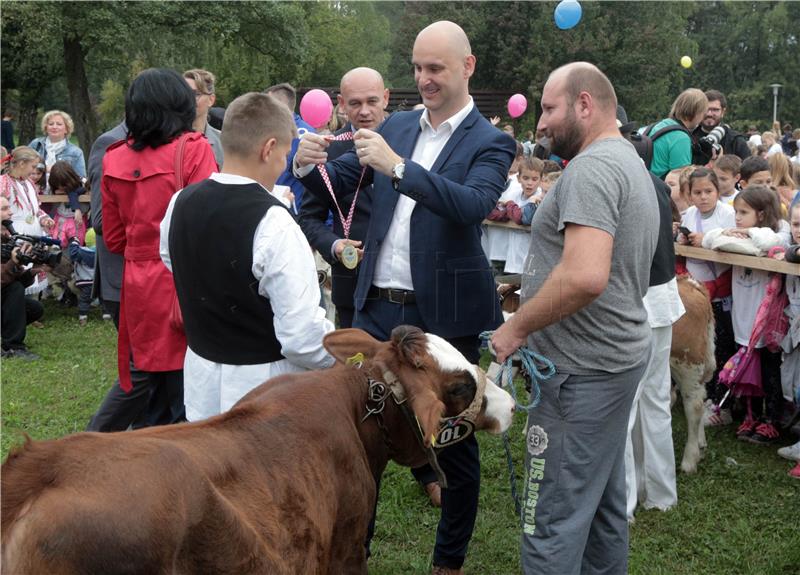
751, 207
735, 206
529, 180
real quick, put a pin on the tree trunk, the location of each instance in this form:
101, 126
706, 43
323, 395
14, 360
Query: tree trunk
78, 86
26, 128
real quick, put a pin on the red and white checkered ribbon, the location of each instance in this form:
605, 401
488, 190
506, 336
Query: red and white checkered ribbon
346, 223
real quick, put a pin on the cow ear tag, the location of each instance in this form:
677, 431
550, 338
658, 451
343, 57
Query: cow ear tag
355, 360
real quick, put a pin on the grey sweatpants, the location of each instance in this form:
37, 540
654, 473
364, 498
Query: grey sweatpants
574, 517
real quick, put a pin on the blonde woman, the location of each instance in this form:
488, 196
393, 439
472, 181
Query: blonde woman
54, 145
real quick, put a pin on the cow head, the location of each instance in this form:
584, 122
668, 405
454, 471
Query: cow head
436, 378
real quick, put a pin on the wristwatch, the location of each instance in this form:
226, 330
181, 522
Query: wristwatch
397, 174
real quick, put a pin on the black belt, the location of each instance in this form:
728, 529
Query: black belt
399, 296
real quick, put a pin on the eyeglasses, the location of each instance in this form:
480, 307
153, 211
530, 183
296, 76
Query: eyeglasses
199, 95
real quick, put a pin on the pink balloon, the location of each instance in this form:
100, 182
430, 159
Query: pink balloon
517, 104
316, 108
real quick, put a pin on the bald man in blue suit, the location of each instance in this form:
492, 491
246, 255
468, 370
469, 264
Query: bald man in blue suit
436, 174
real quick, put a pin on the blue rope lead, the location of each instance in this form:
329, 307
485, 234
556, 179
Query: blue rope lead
538, 367
531, 362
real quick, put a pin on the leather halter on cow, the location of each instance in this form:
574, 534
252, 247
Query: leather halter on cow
282, 483
452, 429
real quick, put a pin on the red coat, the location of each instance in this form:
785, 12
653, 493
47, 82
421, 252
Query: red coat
136, 189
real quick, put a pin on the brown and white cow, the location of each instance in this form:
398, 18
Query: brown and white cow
692, 364
283, 483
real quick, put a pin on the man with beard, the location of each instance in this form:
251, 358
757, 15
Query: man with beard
437, 173
732, 142
592, 243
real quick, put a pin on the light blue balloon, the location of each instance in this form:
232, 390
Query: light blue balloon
568, 14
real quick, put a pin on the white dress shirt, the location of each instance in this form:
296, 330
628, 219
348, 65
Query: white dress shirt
393, 267
284, 266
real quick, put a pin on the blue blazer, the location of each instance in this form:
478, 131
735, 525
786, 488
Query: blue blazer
452, 278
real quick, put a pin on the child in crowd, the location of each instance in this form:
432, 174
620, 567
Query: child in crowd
754, 170
495, 239
790, 368
529, 177
38, 178
769, 141
780, 169
83, 259
548, 180
709, 213
68, 217
758, 219
727, 170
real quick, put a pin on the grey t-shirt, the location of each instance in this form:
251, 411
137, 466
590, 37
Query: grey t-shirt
607, 187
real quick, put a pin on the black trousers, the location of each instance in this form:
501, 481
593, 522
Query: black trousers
17, 312
156, 397
460, 462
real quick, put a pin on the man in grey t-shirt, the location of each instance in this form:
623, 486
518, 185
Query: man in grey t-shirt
588, 268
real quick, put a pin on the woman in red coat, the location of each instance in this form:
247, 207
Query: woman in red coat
140, 175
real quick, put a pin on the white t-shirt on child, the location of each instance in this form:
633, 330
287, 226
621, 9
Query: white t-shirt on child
723, 216
750, 286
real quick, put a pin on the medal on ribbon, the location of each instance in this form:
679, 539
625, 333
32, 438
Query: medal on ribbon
349, 255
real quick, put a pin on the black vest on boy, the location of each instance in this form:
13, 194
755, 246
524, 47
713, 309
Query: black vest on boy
211, 247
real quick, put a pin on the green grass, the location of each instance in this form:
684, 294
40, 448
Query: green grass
731, 518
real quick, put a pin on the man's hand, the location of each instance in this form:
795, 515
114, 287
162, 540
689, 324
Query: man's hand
78, 217
312, 150
506, 340
373, 151
494, 120
339, 246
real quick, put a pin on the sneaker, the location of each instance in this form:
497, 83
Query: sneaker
791, 452
83, 320
19, 353
713, 416
795, 471
765, 433
106, 317
746, 429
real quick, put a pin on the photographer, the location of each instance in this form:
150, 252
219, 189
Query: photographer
717, 135
17, 310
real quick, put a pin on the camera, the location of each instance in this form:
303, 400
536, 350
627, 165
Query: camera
44, 249
712, 141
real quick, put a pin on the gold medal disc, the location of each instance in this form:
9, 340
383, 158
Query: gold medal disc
350, 257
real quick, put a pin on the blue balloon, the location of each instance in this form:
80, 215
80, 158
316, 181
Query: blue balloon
568, 14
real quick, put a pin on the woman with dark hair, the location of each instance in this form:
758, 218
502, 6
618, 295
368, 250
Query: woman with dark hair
160, 156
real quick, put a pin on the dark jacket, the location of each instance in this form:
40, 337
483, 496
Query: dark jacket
312, 219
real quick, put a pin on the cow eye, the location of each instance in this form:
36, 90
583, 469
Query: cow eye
463, 389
